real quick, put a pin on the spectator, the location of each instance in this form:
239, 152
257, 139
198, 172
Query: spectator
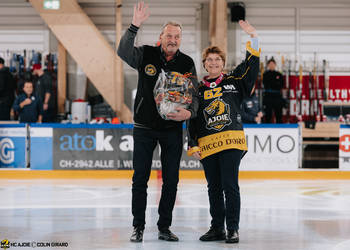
273, 101
7, 91
251, 112
43, 89
28, 106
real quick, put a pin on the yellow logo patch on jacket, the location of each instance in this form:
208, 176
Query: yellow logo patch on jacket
150, 70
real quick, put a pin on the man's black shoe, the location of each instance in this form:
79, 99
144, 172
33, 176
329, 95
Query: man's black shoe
166, 234
137, 234
213, 234
232, 236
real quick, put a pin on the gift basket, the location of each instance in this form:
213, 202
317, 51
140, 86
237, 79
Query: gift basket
172, 90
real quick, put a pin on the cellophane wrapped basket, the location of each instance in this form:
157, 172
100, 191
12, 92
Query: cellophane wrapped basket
171, 91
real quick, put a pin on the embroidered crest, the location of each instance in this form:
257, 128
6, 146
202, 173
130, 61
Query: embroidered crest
150, 70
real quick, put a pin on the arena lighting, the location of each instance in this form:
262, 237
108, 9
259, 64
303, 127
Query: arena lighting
51, 4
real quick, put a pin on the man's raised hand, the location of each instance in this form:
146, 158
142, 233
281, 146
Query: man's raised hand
141, 13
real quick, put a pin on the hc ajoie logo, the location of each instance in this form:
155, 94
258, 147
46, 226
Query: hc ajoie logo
7, 154
5, 244
78, 142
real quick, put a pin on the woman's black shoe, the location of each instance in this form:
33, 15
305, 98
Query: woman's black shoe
232, 236
137, 234
166, 234
213, 234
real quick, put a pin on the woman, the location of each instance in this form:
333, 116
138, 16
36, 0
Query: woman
216, 136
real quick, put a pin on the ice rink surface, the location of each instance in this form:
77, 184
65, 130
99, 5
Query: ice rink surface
96, 214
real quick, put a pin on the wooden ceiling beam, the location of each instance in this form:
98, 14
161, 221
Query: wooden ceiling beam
92, 52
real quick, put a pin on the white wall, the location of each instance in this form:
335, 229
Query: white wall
21, 28
291, 30
103, 15
298, 32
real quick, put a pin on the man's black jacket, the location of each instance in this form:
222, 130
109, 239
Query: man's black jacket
149, 61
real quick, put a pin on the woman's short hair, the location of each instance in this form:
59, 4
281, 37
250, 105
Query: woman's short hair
213, 50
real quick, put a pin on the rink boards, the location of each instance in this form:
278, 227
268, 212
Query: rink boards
102, 147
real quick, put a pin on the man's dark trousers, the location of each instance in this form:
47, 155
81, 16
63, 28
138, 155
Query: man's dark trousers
145, 141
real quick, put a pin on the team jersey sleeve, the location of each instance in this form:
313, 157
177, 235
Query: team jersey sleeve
246, 73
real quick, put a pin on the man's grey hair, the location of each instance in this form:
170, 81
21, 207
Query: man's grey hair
172, 23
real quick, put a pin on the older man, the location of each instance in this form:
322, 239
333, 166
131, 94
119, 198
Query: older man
150, 128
